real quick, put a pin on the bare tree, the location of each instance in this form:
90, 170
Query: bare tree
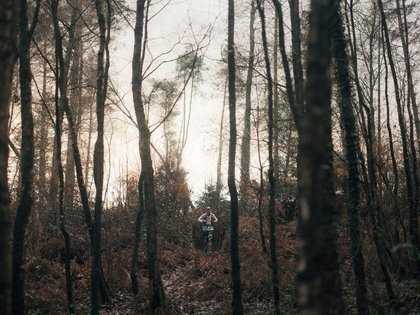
271, 178
246, 135
146, 186
348, 121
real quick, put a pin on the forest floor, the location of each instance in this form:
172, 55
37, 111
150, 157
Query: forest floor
200, 284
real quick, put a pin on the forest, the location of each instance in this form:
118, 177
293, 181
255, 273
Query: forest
209, 157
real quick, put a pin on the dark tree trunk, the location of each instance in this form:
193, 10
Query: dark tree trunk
348, 120
8, 55
23, 210
294, 94
261, 188
403, 30
75, 101
271, 178
156, 292
413, 217
43, 143
104, 22
137, 239
319, 283
61, 89
237, 307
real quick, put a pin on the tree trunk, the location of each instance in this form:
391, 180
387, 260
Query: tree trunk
246, 135
26, 162
61, 88
75, 101
413, 217
8, 55
156, 293
104, 22
261, 188
319, 283
219, 184
137, 239
43, 144
271, 178
403, 30
348, 120
237, 308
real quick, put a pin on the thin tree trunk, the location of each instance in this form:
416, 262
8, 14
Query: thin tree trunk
246, 135
318, 280
43, 144
237, 307
261, 188
104, 22
219, 185
348, 121
75, 101
403, 30
156, 292
391, 147
276, 106
271, 178
26, 159
61, 89
413, 217
8, 55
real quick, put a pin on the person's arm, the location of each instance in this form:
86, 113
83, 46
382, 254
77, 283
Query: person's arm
215, 218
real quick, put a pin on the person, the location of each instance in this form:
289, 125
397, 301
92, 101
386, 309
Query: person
207, 217
206, 220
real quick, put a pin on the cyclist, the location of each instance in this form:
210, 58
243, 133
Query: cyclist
207, 219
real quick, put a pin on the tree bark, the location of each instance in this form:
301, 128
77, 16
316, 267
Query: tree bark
246, 135
8, 55
237, 307
60, 98
318, 280
104, 22
23, 210
156, 292
219, 184
271, 178
413, 217
348, 120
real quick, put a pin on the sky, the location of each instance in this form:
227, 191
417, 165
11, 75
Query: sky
179, 19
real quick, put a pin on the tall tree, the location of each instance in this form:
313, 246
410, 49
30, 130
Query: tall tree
8, 55
271, 178
246, 135
23, 210
413, 216
348, 121
319, 284
103, 12
146, 186
60, 98
237, 307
